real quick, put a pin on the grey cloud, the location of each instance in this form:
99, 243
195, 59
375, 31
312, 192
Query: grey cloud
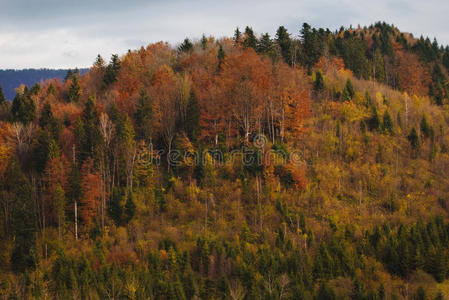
44, 32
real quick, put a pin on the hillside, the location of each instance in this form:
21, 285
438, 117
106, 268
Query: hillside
255, 167
11, 79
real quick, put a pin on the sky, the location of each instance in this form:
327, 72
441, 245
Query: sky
70, 33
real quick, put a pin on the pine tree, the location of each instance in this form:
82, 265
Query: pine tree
425, 127
413, 138
285, 43
348, 91
144, 117
115, 205
387, 124
249, 39
237, 36
186, 46
203, 42
74, 90
24, 255
374, 120
318, 84
23, 108
192, 126
130, 208
111, 73
221, 56
2, 96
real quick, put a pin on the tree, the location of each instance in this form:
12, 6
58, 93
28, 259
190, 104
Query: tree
425, 127
24, 255
387, 124
249, 39
74, 90
285, 43
2, 96
130, 208
192, 125
59, 206
237, 36
23, 108
413, 138
348, 91
112, 70
186, 46
203, 42
221, 56
318, 84
144, 117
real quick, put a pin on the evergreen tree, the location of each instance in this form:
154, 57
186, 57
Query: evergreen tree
130, 208
2, 96
311, 45
203, 42
374, 120
325, 292
348, 91
24, 255
192, 126
413, 138
318, 84
74, 90
23, 108
237, 36
144, 117
221, 55
285, 43
186, 46
387, 124
249, 39
115, 205
112, 70
425, 127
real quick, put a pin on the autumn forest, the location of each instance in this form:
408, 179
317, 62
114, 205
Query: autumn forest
305, 165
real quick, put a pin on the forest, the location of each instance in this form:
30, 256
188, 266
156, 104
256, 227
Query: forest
251, 167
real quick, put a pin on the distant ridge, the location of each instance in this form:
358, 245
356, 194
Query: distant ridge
11, 79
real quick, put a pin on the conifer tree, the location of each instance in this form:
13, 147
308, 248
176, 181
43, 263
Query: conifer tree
237, 36
75, 89
193, 117
348, 91
144, 117
318, 84
285, 43
186, 46
112, 69
387, 124
413, 138
249, 39
221, 55
2, 96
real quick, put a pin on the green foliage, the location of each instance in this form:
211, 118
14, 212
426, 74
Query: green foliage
2, 96
348, 91
221, 55
112, 70
74, 90
186, 46
387, 124
413, 138
285, 43
23, 108
192, 124
249, 38
144, 117
318, 84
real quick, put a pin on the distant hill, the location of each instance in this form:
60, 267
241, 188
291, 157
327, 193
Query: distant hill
11, 79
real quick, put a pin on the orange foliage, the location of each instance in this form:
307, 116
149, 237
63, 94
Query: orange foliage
91, 185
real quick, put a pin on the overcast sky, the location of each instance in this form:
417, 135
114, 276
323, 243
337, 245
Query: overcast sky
70, 33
